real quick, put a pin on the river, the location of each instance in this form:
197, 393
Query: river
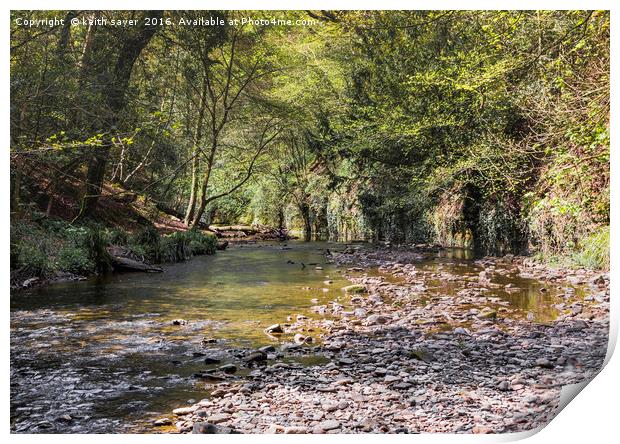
104, 355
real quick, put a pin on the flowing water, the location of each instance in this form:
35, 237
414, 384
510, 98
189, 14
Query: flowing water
103, 355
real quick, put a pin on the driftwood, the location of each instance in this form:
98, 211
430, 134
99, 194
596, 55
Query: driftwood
258, 232
125, 259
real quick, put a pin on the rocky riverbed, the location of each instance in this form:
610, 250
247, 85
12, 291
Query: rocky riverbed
397, 353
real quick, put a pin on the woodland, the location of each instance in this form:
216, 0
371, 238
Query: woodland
479, 129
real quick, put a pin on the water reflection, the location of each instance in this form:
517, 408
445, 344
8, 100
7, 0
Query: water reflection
105, 351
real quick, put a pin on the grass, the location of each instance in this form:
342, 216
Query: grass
594, 251
591, 253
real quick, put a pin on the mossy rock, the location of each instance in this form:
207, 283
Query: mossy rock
488, 314
355, 289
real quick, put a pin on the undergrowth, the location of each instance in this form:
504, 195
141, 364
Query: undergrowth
44, 247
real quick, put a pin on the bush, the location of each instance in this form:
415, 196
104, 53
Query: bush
147, 242
201, 243
174, 248
96, 244
116, 236
594, 251
75, 260
182, 245
33, 259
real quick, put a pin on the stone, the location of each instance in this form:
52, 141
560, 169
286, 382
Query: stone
212, 360
182, 411
481, 430
331, 407
275, 328
295, 430
330, 425
504, 386
204, 428
544, 363
488, 313
301, 339
228, 369
257, 356
376, 319
360, 313
218, 418
162, 422
422, 355
30, 282
289, 346
179, 322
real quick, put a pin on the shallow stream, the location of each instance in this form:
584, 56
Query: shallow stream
103, 355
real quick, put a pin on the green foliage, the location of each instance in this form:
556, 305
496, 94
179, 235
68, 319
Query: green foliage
96, 244
45, 246
75, 260
593, 252
182, 245
147, 242
469, 128
117, 236
31, 257
201, 243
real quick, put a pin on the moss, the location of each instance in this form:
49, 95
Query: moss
355, 289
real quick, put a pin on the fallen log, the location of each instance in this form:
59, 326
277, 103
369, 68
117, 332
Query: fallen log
124, 259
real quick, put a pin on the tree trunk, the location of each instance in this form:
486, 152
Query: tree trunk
305, 215
191, 206
205, 186
115, 98
15, 195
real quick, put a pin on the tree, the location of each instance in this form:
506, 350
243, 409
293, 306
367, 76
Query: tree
131, 44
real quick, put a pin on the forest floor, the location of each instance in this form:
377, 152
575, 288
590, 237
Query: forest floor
399, 361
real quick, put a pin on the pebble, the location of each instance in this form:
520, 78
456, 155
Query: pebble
162, 422
414, 359
330, 425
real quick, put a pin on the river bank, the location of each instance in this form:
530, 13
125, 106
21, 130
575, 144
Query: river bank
402, 354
